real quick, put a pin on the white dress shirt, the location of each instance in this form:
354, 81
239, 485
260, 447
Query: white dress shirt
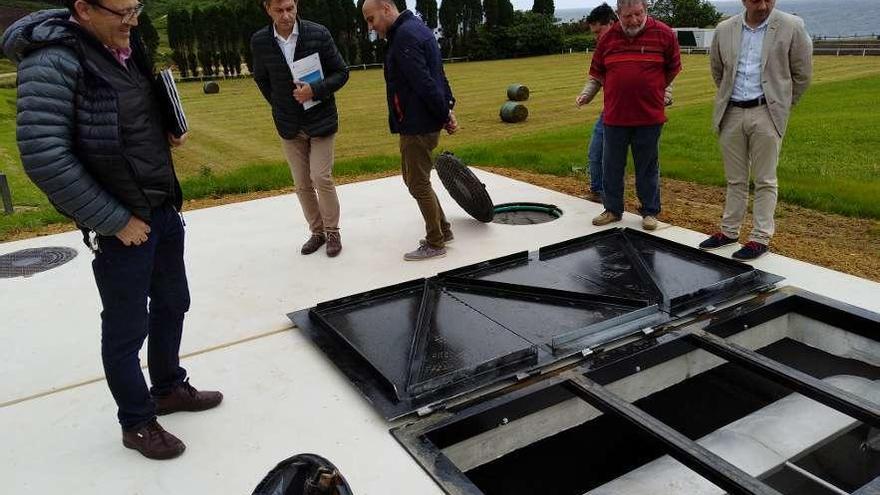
287, 45
747, 84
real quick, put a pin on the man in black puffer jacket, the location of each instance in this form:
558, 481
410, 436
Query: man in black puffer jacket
304, 113
91, 137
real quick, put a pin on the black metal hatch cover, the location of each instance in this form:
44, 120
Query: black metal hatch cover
464, 187
421, 343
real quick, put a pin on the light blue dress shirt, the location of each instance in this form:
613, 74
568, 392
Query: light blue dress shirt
747, 85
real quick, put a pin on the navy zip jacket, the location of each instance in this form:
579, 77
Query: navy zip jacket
419, 97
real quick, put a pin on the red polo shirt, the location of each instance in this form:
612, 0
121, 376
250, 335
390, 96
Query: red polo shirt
635, 72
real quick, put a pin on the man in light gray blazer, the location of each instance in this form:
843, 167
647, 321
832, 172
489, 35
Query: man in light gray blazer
762, 63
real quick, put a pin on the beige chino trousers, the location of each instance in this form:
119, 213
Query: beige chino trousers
749, 146
311, 165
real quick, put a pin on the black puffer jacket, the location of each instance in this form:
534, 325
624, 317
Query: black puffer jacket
71, 130
273, 77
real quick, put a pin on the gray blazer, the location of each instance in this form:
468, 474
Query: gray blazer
786, 64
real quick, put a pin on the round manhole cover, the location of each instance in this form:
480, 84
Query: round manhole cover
525, 213
30, 261
464, 187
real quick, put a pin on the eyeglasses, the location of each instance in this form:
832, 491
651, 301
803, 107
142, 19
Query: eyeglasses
126, 15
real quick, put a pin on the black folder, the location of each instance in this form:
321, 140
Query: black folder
172, 108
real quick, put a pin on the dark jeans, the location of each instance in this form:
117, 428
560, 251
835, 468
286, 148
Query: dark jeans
127, 277
645, 150
594, 155
417, 162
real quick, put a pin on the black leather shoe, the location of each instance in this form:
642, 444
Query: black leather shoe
716, 241
751, 251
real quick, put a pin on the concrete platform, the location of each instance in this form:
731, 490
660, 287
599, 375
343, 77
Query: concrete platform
283, 396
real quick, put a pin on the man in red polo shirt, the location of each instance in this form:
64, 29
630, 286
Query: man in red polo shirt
635, 62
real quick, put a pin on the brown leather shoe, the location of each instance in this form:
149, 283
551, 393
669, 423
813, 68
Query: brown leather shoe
185, 397
314, 242
334, 244
153, 441
595, 197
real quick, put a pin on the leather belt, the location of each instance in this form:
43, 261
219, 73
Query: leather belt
749, 103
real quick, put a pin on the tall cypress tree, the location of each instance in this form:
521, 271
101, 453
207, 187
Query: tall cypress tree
250, 18
471, 19
545, 7
203, 43
450, 21
346, 29
149, 35
505, 13
490, 9
180, 38
370, 51
427, 9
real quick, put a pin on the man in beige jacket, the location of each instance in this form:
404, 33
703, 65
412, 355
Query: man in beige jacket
762, 63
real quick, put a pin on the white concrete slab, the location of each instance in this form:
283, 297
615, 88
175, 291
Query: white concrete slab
283, 396
246, 273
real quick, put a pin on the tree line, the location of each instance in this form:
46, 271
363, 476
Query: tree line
214, 40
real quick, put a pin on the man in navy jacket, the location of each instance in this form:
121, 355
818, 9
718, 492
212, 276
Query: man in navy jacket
419, 105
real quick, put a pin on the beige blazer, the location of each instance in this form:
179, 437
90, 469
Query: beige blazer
786, 64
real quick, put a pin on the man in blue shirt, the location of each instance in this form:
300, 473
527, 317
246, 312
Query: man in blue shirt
600, 21
761, 61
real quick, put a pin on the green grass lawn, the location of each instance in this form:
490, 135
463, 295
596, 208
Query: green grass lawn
827, 160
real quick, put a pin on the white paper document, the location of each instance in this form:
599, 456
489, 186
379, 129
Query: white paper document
308, 70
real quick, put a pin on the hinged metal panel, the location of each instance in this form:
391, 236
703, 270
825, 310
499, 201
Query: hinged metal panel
419, 344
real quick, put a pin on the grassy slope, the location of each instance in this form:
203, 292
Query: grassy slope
235, 126
233, 146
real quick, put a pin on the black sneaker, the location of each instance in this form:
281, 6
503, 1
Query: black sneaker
752, 250
716, 241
